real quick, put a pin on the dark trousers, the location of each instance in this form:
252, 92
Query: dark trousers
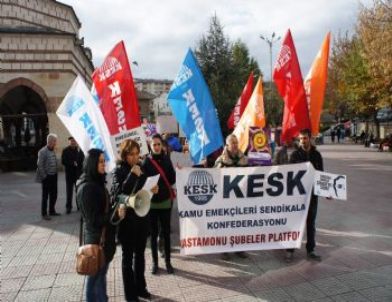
70, 183
310, 225
133, 267
160, 218
49, 191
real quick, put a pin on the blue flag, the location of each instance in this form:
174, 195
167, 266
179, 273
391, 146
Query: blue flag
191, 103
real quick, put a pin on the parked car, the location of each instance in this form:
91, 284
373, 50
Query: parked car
384, 115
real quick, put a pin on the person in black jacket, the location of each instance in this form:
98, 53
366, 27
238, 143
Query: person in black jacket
93, 200
128, 178
159, 163
307, 152
72, 160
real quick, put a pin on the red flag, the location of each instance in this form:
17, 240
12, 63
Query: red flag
241, 103
288, 79
117, 96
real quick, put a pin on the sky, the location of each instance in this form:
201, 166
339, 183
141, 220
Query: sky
157, 34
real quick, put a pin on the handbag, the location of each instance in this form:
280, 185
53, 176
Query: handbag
90, 258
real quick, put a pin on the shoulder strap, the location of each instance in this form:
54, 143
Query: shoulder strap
81, 231
162, 173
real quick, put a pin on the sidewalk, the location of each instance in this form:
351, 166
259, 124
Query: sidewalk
354, 238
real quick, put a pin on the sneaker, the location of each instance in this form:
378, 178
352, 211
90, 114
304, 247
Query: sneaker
169, 268
154, 269
225, 256
314, 256
144, 294
46, 217
68, 211
289, 257
242, 255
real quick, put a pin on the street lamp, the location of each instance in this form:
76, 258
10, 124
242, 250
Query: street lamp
270, 42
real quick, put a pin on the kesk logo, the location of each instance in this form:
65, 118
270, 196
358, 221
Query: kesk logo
200, 187
109, 67
184, 75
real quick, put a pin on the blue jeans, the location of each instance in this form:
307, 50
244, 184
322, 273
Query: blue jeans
96, 286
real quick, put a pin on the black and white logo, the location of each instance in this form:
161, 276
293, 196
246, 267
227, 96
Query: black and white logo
200, 187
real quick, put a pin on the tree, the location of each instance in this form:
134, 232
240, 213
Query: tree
375, 31
225, 67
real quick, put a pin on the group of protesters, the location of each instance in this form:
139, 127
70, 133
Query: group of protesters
98, 206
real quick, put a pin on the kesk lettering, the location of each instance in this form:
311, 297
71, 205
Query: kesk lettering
277, 183
117, 101
196, 117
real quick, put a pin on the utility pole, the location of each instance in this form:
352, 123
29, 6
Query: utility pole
270, 42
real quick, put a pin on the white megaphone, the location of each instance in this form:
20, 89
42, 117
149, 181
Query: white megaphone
140, 202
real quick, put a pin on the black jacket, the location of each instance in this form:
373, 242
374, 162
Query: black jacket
92, 197
165, 163
301, 156
124, 182
69, 156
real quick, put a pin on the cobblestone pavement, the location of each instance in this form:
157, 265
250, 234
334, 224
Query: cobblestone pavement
354, 238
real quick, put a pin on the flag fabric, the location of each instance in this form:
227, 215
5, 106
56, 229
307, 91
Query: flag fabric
115, 91
253, 116
191, 103
241, 103
288, 79
82, 117
315, 84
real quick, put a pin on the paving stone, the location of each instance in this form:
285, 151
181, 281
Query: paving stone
331, 286
8, 297
38, 282
66, 294
45, 269
11, 272
304, 292
68, 279
274, 295
349, 297
11, 248
11, 285
357, 280
5, 261
50, 258
37, 295
23, 260
382, 293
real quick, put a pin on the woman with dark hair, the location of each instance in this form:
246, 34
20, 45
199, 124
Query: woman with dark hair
128, 178
93, 200
161, 203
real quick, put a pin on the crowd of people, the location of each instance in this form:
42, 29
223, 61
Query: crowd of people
98, 206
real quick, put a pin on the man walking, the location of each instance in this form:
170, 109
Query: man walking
307, 152
72, 160
47, 175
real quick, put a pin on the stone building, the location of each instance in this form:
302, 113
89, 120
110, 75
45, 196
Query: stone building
153, 86
41, 53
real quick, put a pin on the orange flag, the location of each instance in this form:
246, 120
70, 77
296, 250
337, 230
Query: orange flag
315, 84
253, 116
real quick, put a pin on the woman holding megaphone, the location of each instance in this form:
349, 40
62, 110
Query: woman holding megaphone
128, 179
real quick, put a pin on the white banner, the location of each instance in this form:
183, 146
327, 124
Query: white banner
166, 124
330, 185
84, 120
242, 209
136, 134
180, 159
